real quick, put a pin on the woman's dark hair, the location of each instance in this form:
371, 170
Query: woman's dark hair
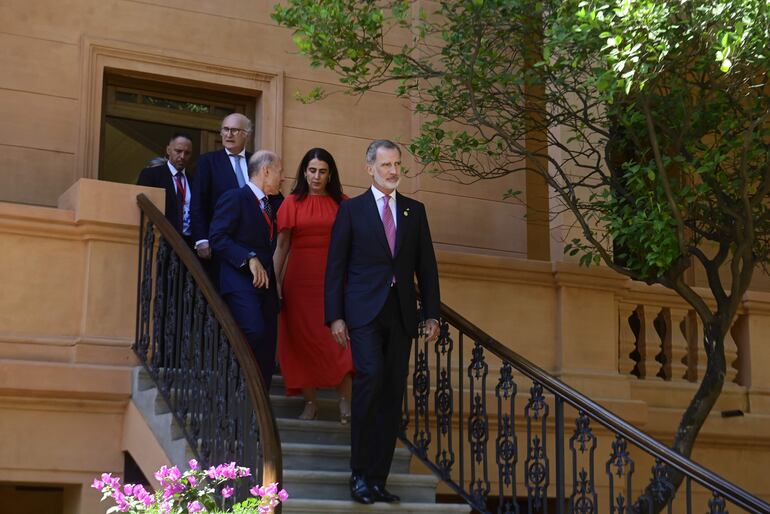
333, 187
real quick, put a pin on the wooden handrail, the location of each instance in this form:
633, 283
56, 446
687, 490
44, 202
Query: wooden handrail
272, 467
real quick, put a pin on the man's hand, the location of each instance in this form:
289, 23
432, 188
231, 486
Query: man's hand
340, 332
431, 330
259, 273
203, 250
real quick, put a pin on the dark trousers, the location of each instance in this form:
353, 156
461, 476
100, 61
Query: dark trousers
256, 313
381, 358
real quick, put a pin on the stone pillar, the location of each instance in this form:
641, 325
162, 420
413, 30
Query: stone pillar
107, 217
675, 322
626, 339
587, 346
756, 374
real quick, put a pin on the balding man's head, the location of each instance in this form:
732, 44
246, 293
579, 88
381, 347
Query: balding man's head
235, 132
266, 171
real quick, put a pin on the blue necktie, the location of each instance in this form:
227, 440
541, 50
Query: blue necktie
237, 168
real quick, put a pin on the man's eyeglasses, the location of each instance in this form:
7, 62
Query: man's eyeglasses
234, 131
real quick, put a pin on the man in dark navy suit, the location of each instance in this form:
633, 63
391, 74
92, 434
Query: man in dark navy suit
380, 242
243, 236
218, 172
173, 177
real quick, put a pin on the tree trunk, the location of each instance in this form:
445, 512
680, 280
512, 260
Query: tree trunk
663, 486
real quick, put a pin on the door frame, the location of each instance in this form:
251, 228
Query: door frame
264, 84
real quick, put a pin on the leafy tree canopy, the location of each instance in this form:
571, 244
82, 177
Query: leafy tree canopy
647, 118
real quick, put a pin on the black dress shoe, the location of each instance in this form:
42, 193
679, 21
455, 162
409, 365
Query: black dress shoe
380, 494
360, 491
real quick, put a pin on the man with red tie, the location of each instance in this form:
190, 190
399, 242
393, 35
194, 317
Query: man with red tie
380, 243
173, 177
243, 235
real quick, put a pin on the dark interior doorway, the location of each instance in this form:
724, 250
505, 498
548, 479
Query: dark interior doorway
140, 114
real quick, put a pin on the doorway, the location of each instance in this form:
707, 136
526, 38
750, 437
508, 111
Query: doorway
140, 115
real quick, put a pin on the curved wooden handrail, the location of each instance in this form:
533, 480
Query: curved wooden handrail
730, 491
272, 466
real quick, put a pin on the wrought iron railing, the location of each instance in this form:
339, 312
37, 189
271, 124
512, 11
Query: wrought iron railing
188, 342
463, 419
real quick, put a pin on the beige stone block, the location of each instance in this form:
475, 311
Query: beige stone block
524, 307
678, 395
42, 290
38, 121
372, 116
32, 175
587, 318
36, 348
758, 323
489, 189
477, 224
108, 202
110, 311
247, 10
56, 380
67, 439
759, 400
55, 70
77, 495
348, 153
51, 20
116, 352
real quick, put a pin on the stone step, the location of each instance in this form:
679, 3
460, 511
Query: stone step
292, 406
332, 457
318, 506
162, 425
313, 432
335, 485
277, 388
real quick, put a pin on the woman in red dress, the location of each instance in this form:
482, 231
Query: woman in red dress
309, 358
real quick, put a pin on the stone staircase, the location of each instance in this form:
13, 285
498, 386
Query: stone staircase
316, 456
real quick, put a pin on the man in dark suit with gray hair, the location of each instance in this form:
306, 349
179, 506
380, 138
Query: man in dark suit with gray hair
380, 242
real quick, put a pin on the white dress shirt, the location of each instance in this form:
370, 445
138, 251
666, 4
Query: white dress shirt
391, 203
187, 196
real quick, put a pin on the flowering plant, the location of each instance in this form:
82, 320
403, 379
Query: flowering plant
195, 490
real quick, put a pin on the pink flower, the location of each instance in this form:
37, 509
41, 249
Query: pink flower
271, 489
174, 474
128, 489
244, 472
193, 464
98, 484
194, 507
111, 481
192, 480
256, 491
227, 492
161, 473
283, 495
264, 509
228, 471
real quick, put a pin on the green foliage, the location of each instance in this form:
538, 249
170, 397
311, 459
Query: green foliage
647, 118
661, 109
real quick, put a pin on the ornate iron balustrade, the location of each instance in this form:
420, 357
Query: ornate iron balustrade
188, 342
465, 419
